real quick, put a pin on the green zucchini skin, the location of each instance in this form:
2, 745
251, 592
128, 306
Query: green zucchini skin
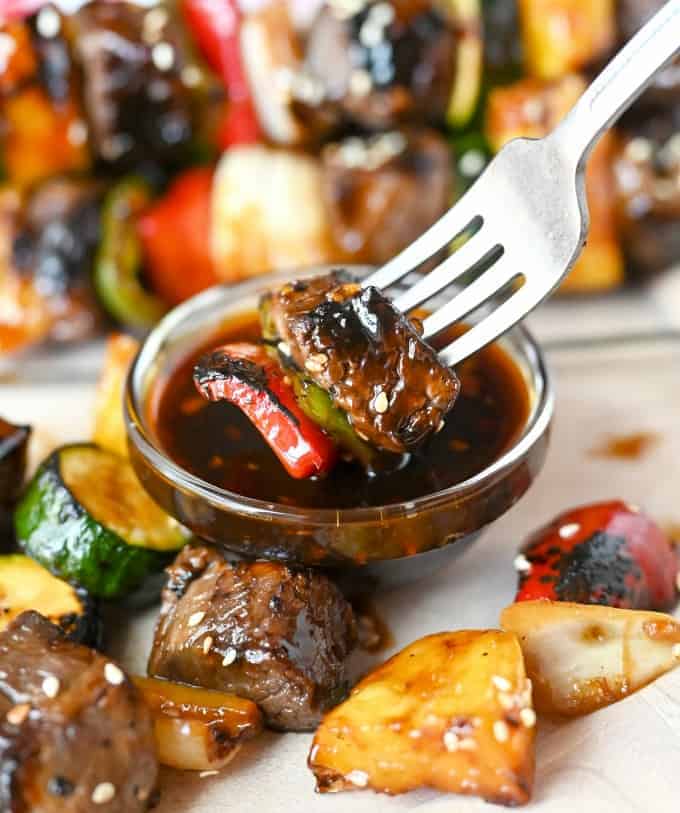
55, 530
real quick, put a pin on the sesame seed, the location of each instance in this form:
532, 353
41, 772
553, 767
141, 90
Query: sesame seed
521, 563
501, 683
472, 163
206, 774
676, 651
568, 530
450, 741
113, 674
358, 778
467, 744
77, 132
528, 717
229, 656
313, 366
48, 23
639, 150
142, 794
360, 83
163, 56
207, 644
533, 110
51, 686
103, 793
284, 348
501, 731
381, 403
16, 715
191, 76
195, 619
506, 701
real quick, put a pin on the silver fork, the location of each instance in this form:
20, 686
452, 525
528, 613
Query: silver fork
527, 212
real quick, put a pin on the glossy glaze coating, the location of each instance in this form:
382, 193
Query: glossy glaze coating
276, 636
73, 728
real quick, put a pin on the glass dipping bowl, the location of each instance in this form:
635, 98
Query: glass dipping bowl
391, 544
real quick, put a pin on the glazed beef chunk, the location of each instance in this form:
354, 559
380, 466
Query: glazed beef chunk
647, 176
369, 357
55, 246
378, 64
277, 636
137, 105
382, 192
74, 732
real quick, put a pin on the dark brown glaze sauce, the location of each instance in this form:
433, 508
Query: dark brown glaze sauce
626, 447
217, 443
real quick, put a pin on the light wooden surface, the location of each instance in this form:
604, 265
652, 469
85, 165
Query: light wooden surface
624, 758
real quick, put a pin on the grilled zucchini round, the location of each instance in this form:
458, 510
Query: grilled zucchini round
86, 518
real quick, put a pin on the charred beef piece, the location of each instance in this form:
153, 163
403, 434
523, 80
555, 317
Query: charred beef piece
277, 636
369, 357
382, 192
138, 107
647, 176
384, 64
74, 732
55, 247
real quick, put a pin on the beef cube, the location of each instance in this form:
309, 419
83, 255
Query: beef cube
382, 192
74, 731
368, 356
261, 630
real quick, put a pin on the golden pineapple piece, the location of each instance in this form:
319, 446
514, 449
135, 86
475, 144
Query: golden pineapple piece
560, 36
42, 138
198, 729
531, 108
109, 428
581, 657
452, 712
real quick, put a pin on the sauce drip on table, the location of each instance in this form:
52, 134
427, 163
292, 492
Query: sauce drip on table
216, 442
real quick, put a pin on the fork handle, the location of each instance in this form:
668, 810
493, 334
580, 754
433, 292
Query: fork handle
621, 82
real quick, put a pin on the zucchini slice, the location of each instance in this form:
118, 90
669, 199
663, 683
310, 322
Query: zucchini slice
469, 62
26, 585
86, 518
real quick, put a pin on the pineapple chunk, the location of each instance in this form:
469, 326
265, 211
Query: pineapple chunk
560, 36
198, 729
581, 657
109, 428
531, 108
452, 712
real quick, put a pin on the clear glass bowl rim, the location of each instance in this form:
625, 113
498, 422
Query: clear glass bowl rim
140, 435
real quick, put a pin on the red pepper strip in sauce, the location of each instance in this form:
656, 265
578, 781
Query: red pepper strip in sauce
246, 376
605, 553
215, 25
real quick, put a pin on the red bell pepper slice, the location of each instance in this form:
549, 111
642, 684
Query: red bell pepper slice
175, 235
605, 553
215, 25
246, 376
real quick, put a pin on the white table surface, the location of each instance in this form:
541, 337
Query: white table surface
622, 759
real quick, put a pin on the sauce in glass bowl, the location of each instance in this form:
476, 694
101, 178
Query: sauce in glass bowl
217, 443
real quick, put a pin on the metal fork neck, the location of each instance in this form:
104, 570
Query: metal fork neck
620, 83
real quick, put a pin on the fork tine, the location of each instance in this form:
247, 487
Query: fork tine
460, 217
472, 296
461, 261
494, 325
